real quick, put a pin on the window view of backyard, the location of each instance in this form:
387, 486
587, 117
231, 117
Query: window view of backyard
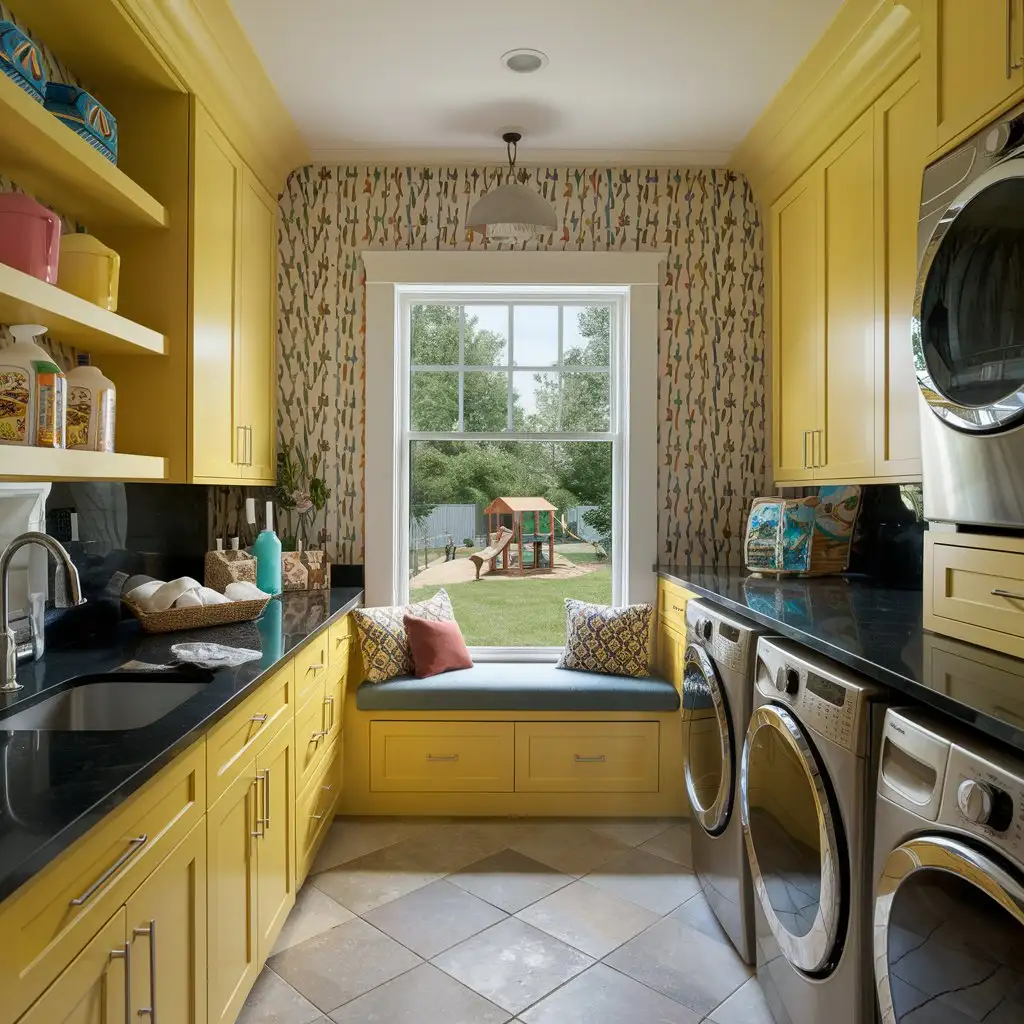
511, 447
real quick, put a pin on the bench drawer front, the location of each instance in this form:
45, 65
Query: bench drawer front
232, 743
311, 736
672, 605
47, 923
311, 667
441, 757
314, 808
585, 757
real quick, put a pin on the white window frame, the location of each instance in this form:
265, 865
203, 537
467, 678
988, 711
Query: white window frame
394, 278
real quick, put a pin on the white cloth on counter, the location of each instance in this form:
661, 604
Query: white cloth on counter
184, 592
242, 590
213, 655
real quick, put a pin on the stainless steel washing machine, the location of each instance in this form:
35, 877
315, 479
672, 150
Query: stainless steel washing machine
949, 876
806, 789
717, 695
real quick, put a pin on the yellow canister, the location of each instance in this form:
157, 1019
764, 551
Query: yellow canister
89, 269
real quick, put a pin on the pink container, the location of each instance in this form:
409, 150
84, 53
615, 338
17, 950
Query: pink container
29, 236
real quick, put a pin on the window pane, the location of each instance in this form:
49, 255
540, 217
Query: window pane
586, 401
586, 335
535, 335
486, 342
485, 401
520, 598
434, 335
434, 401
536, 397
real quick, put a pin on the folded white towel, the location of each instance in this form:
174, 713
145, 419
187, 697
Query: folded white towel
190, 599
144, 591
166, 595
242, 590
210, 596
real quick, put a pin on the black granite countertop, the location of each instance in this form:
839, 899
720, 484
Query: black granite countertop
54, 786
878, 631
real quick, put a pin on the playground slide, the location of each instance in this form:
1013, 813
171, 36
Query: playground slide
501, 542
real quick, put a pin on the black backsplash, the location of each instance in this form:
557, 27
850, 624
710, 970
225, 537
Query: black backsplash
888, 542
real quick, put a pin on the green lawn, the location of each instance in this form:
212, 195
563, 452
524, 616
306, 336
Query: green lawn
519, 613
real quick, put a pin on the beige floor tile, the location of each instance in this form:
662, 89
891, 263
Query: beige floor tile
647, 880
314, 913
373, 880
672, 844
590, 919
510, 880
631, 831
341, 964
434, 918
572, 849
745, 1006
603, 996
446, 849
683, 964
350, 838
423, 996
697, 913
273, 1001
513, 964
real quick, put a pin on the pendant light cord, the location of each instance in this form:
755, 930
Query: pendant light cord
511, 146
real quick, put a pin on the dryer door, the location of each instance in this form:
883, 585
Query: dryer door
794, 840
948, 935
709, 759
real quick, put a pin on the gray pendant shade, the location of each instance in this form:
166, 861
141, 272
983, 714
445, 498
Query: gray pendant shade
512, 213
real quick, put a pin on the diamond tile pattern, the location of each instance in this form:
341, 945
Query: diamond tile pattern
502, 921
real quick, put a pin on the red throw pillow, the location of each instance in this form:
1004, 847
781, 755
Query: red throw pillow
436, 646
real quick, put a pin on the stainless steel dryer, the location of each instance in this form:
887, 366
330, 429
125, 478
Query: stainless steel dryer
717, 694
806, 788
949, 870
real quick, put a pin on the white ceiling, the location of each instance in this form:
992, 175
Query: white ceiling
654, 81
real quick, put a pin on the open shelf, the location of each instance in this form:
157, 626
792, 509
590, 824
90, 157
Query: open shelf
25, 299
48, 160
23, 463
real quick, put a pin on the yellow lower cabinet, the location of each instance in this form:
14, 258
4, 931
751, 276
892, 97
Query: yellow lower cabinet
587, 757
167, 932
314, 809
441, 757
668, 661
231, 865
672, 600
92, 988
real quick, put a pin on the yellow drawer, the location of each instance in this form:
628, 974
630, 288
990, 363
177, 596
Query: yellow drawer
233, 742
672, 605
341, 636
314, 809
441, 757
311, 667
46, 924
311, 736
586, 757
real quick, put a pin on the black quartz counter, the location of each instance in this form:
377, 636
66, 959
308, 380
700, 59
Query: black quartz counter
54, 786
877, 631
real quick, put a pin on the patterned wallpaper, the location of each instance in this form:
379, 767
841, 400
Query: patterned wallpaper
711, 387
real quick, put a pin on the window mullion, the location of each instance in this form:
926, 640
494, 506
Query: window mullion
462, 363
561, 368
511, 363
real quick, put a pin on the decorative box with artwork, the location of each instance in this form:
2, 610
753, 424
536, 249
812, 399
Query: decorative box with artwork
85, 116
802, 536
21, 61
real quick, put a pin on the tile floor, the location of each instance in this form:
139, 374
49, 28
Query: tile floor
412, 921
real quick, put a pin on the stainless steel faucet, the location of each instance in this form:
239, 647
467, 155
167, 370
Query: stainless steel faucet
8, 642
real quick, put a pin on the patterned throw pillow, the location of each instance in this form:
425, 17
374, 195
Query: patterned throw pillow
382, 640
616, 641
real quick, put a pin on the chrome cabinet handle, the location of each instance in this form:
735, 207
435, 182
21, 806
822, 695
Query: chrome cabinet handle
258, 831
248, 430
134, 845
150, 932
1007, 593
266, 797
805, 465
125, 954
818, 448
1010, 66
259, 718
329, 701
315, 668
442, 757
316, 817
580, 759
240, 445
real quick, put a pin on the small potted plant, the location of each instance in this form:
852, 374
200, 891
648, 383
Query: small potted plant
302, 494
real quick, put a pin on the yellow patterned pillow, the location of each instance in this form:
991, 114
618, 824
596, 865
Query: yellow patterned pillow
616, 641
382, 640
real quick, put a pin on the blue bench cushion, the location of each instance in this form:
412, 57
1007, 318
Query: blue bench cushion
508, 686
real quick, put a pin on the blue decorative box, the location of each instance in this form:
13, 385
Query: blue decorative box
21, 60
85, 116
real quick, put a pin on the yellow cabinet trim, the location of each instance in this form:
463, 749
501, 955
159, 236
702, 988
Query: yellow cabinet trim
314, 809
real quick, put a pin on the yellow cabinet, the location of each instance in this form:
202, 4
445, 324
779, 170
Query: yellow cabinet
167, 932
92, 988
973, 56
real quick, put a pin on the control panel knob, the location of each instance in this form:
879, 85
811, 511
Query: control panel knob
788, 681
704, 629
975, 800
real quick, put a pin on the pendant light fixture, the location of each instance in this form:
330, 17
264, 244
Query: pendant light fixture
512, 212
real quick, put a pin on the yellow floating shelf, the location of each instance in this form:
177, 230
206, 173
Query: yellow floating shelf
27, 300
21, 463
47, 159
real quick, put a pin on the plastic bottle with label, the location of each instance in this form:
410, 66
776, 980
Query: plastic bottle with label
91, 407
33, 392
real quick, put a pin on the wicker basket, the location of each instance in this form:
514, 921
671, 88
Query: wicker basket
197, 618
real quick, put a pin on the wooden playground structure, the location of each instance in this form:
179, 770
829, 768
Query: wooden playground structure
526, 523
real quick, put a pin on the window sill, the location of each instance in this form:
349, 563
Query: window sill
515, 655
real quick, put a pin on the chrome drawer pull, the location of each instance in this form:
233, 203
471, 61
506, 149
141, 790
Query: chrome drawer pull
259, 718
1007, 593
258, 831
266, 797
315, 668
329, 701
580, 759
150, 1011
442, 757
125, 955
134, 845
316, 817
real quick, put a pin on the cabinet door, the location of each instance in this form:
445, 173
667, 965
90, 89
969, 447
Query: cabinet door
231, 883
844, 442
970, 51
256, 348
91, 989
167, 931
275, 849
899, 158
796, 326
216, 445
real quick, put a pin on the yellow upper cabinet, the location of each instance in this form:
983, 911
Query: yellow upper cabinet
973, 62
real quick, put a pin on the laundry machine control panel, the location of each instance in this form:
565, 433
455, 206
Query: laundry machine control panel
985, 795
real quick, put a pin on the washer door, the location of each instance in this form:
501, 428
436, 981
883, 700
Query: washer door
968, 335
793, 839
709, 761
949, 935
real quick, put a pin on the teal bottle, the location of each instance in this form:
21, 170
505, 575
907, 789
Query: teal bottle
267, 552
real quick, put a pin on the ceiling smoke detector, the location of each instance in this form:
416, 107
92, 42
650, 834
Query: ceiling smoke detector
524, 61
